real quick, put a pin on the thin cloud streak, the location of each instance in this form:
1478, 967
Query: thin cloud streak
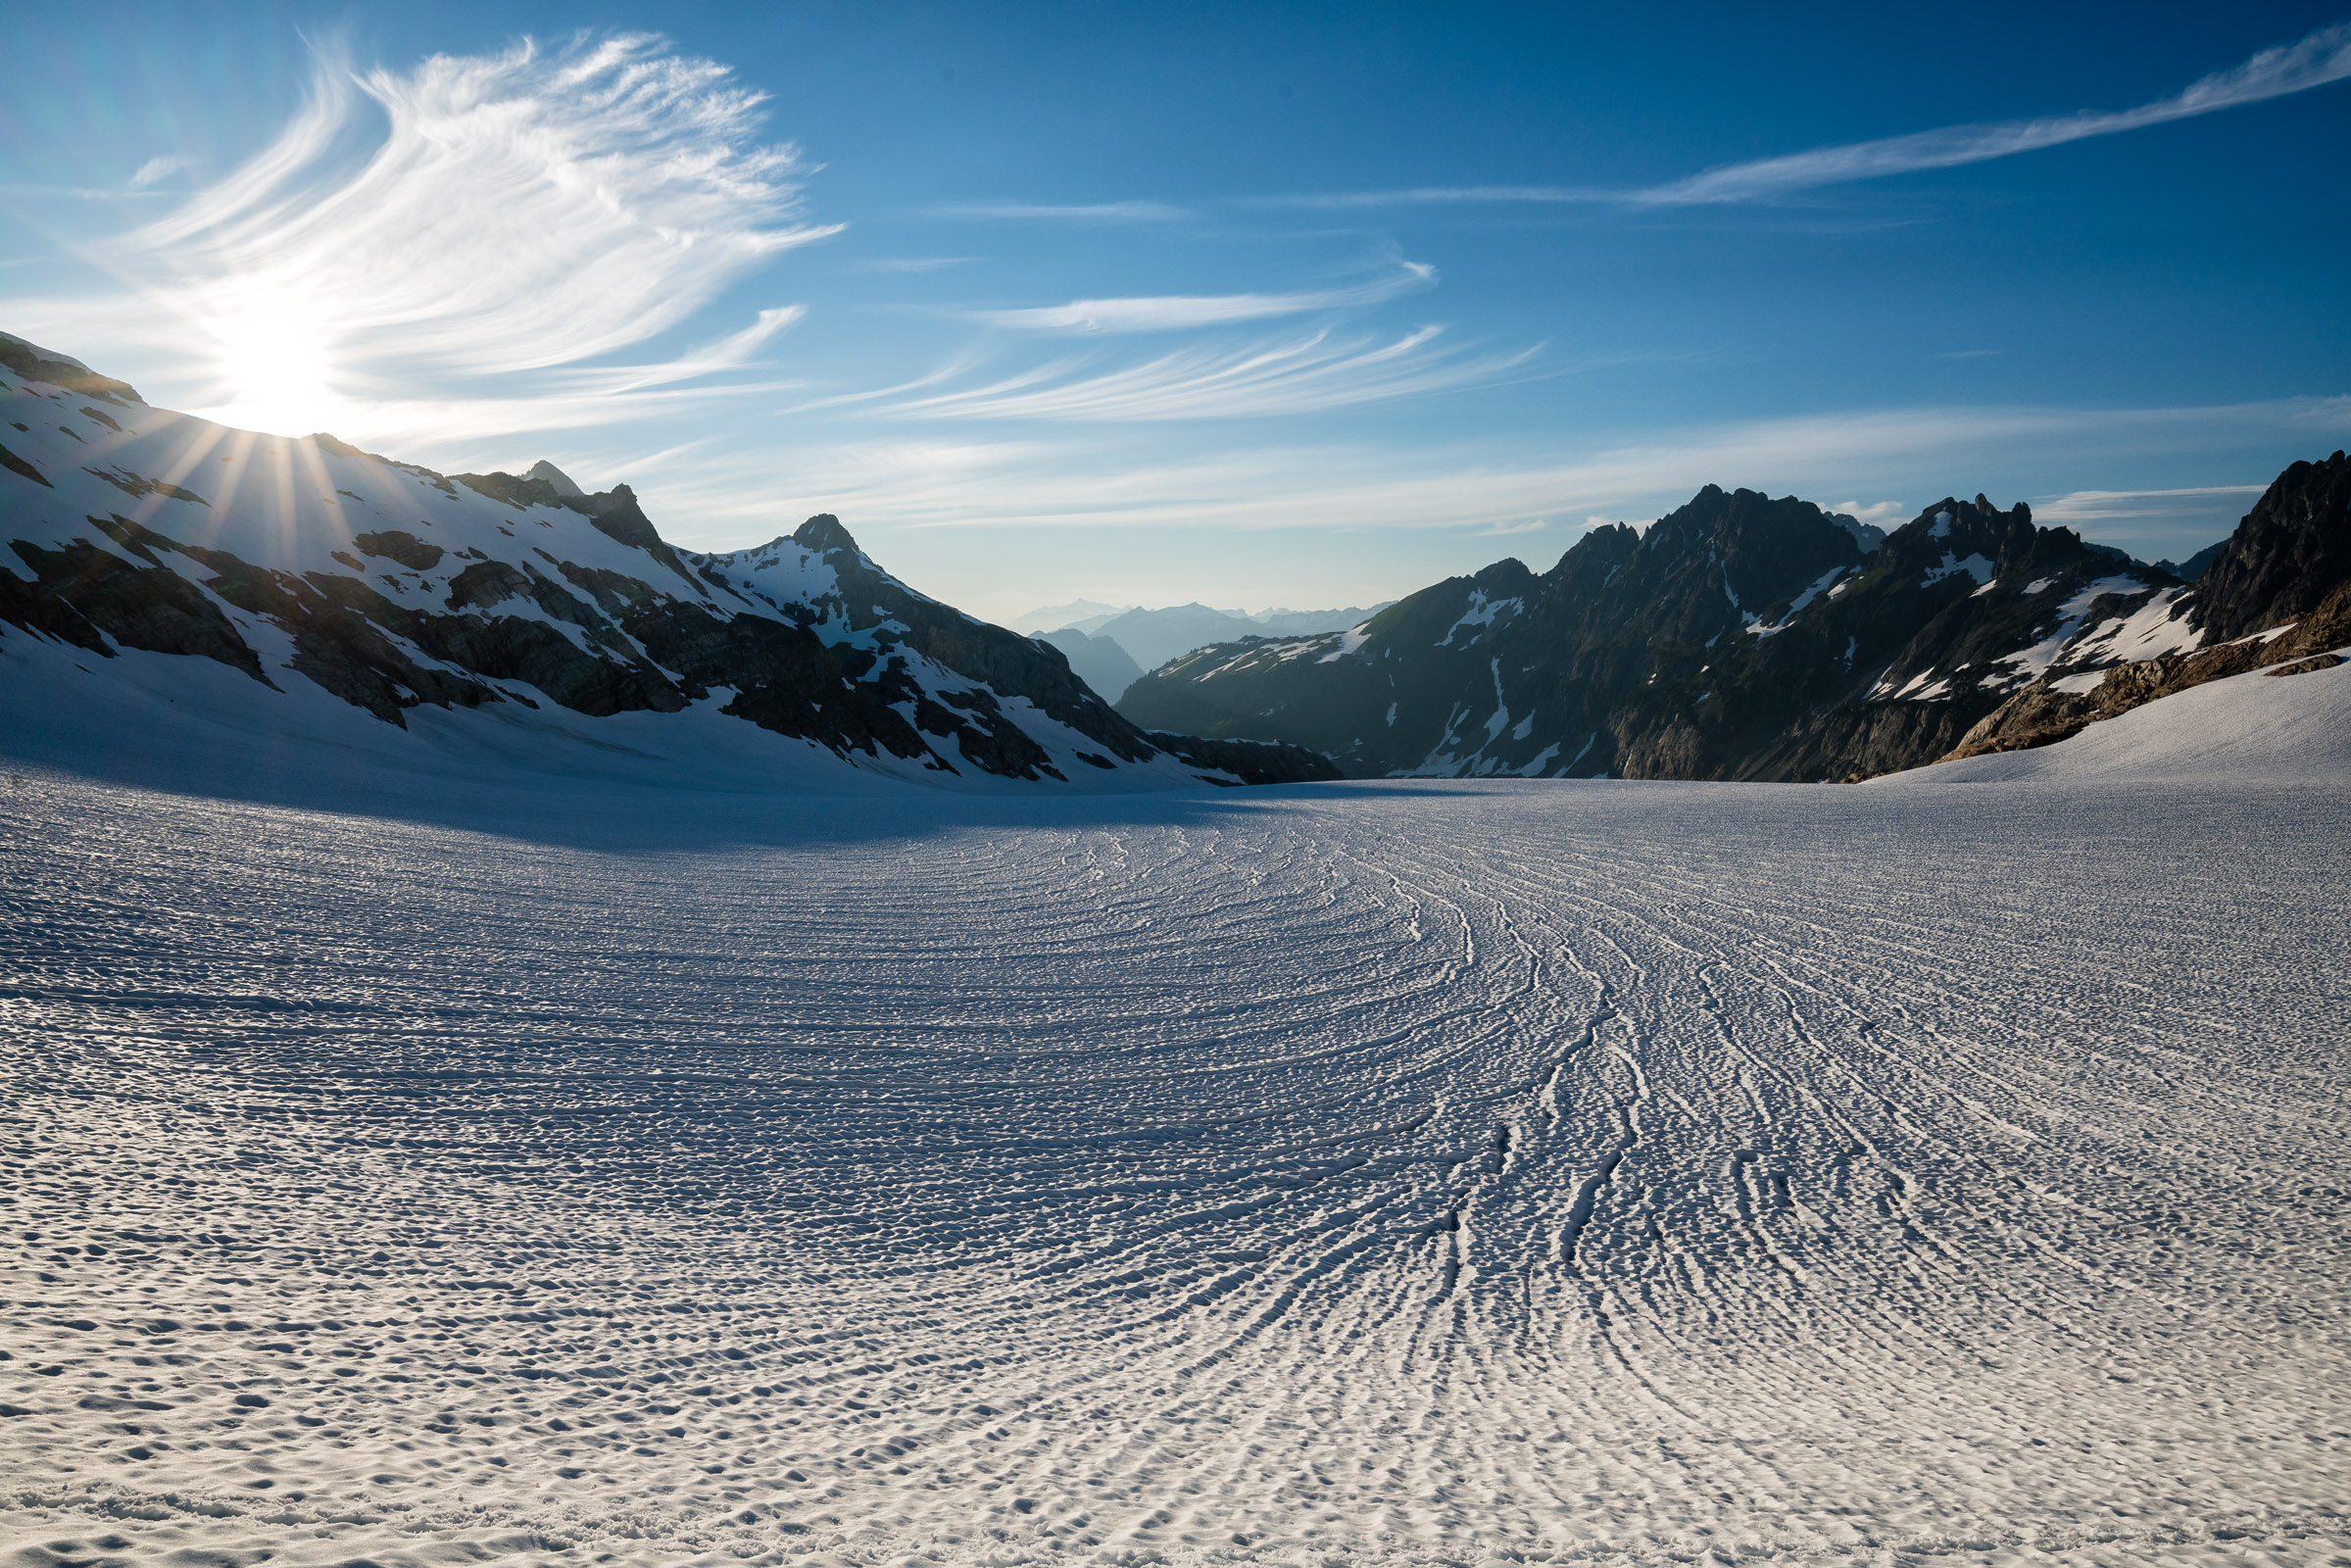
1289, 377
2094, 506
2320, 58
1177, 312
1028, 483
2315, 60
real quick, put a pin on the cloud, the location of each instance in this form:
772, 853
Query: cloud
2317, 60
1109, 481
155, 169
2100, 506
1293, 375
1136, 212
726, 354
1889, 515
2322, 57
411, 232
1175, 312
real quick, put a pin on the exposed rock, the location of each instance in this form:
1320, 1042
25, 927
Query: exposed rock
2276, 595
33, 364
2289, 553
1252, 762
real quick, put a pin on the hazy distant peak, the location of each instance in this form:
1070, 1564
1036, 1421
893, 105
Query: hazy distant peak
564, 485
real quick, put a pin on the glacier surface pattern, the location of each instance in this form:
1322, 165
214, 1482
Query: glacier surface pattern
1949, 1170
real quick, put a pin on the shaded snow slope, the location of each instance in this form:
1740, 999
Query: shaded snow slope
2258, 726
1950, 1169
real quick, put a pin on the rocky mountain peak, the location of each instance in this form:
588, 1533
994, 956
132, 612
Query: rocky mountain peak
824, 534
36, 364
2283, 559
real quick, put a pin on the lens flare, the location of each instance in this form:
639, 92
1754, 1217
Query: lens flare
275, 359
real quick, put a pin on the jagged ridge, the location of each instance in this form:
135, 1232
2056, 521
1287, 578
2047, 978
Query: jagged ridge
1737, 637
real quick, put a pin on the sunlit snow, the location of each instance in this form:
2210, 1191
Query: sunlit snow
424, 1169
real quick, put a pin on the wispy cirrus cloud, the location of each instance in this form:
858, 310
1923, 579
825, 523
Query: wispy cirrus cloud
2320, 58
1175, 312
2315, 60
1031, 482
155, 168
2105, 506
412, 232
1293, 375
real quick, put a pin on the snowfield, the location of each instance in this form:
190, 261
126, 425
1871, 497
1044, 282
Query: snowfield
1950, 1169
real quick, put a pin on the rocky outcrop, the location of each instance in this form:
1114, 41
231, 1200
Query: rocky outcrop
2276, 595
28, 363
1259, 761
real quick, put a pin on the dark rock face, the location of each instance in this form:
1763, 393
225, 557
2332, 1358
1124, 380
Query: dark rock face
1738, 637
2289, 553
2287, 570
30, 364
1259, 761
81, 591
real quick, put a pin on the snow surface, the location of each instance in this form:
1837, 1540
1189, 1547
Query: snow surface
2027, 665
1811, 592
1974, 565
1482, 612
1949, 1170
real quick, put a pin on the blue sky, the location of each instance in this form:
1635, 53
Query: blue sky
1258, 304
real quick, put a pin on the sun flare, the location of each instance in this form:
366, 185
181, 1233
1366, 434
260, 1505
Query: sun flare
274, 360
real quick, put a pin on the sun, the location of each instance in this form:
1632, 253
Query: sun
273, 357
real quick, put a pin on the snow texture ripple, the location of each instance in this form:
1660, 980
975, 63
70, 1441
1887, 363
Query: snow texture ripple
1946, 1169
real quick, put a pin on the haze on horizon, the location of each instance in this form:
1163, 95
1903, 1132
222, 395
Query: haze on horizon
1175, 304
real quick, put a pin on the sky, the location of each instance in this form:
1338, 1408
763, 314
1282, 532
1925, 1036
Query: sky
1258, 304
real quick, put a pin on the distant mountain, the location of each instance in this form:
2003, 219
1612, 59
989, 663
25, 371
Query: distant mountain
397, 589
1084, 614
1099, 662
1153, 637
1737, 637
2192, 567
1305, 622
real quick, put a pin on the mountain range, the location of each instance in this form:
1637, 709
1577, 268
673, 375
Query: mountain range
131, 529
1110, 646
1743, 637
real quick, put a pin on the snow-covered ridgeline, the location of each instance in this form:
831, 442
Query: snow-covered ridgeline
492, 605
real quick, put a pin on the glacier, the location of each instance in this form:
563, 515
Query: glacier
416, 1164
